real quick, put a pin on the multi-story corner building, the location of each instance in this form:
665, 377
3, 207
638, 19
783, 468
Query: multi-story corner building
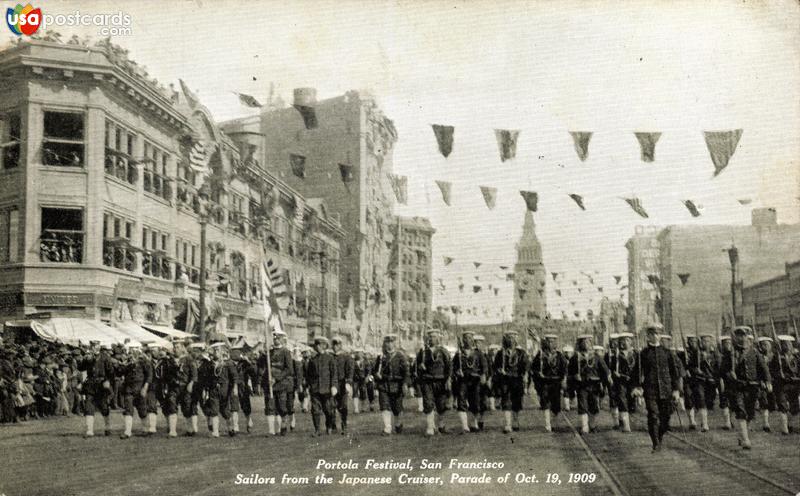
411, 271
774, 302
101, 210
643, 277
340, 150
530, 291
699, 256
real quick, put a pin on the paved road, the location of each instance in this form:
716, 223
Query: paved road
49, 457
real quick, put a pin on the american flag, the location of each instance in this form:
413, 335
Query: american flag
274, 293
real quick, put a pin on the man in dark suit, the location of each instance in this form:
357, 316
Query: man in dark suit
321, 379
659, 378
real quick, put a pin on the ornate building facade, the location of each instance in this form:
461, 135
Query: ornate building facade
340, 150
106, 181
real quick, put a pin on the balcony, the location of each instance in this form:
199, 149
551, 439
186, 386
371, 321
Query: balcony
61, 246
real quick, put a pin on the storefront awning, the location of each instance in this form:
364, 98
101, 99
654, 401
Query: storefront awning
74, 331
169, 332
137, 333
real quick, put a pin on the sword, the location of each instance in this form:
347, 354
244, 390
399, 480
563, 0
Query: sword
680, 421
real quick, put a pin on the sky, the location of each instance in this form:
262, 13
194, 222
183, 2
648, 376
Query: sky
545, 68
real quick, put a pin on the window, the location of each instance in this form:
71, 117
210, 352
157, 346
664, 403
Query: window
155, 172
118, 251
154, 259
119, 153
10, 132
255, 282
186, 269
61, 239
62, 144
237, 220
9, 235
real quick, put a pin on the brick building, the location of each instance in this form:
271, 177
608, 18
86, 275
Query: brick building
643, 266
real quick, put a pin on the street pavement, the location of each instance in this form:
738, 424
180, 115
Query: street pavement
50, 457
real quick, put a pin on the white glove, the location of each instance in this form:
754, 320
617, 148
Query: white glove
334, 391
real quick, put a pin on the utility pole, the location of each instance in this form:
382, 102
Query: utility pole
733, 256
203, 195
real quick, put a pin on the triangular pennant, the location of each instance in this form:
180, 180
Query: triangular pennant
531, 200
558, 292
400, 188
692, 208
578, 199
600, 289
477, 278
476, 289
444, 137
298, 164
507, 142
461, 287
541, 292
581, 140
504, 267
684, 278
647, 142
448, 260
248, 100
309, 116
522, 293
637, 207
745, 201
580, 290
554, 274
577, 313
476, 264
346, 172
444, 187
617, 279
496, 291
489, 196
722, 145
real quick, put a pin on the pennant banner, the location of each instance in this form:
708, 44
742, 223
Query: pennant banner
448, 261
581, 140
617, 279
578, 199
522, 293
444, 187
308, 114
692, 208
531, 199
248, 100
636, 205
496, 291
722, 145
745, 201
558, 292
507, 142
347, 173
489, 196
400, 188
684, 278
554, 274
444, 137
647, 142
476, 289
298, 164
476, 264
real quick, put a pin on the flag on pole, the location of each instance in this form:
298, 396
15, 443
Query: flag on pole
199, 157
507, 142
191, 98
531, 199
489, 196
647, 143
444, 187
444, 137
581, 141
400, 188
722, 145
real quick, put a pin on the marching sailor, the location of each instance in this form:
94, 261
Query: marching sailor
549, 372
510, 369
434, 369
391, 373
470, 370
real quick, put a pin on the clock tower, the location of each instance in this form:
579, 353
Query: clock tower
530, 295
